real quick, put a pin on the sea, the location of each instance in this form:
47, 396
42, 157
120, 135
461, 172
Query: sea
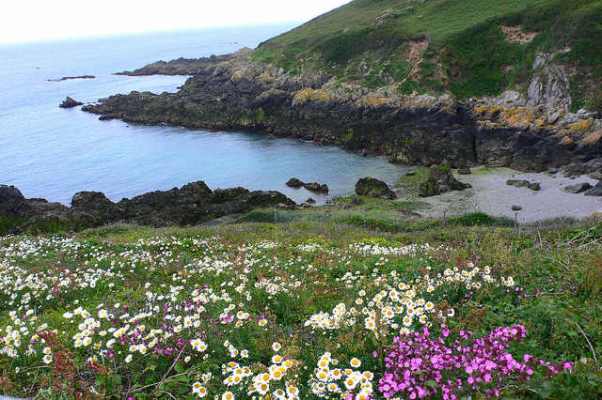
52, 153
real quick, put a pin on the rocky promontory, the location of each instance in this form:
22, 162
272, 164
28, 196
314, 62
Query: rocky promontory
179, 66
235, 92
192, 204
70, 78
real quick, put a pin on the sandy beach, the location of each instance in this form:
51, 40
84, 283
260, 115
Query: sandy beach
490, 194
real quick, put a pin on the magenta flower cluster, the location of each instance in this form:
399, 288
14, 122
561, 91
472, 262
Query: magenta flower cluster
419, 366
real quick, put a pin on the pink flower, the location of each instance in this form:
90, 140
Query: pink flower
459, 368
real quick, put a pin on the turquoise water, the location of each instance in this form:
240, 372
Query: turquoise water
53, 153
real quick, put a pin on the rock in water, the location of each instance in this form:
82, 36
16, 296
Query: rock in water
316, 187
68, 78
372, 187
578, 188
295, 183
70, 102
464, 171
311, 186
440, 180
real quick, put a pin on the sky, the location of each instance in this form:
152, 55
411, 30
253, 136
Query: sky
42, 20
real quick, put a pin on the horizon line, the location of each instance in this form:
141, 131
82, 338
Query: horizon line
143, 33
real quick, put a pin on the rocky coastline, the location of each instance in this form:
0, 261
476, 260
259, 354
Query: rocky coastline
70, 78
527, 133
179, 66
192, 204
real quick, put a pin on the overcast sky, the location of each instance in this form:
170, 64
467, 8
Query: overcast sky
34, 20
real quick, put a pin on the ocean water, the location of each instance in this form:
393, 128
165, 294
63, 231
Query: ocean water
53, 153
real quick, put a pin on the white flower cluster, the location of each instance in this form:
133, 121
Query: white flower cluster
336, 383
368, 249
396, 307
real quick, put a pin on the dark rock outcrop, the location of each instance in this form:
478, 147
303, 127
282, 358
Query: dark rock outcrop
12, 202
235, 93
98, 206
70, 102
535, 186
578, 188
191, 204
295, 183
316, 187
440, 180
372, 187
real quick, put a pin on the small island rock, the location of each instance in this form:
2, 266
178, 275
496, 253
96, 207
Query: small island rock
70, 102
295, 183
316, 187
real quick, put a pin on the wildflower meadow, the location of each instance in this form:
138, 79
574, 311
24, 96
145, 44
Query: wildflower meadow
264, 312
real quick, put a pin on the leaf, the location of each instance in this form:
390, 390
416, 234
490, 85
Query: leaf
179, 368
432, 384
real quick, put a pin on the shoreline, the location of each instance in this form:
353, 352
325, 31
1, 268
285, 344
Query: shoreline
233, 92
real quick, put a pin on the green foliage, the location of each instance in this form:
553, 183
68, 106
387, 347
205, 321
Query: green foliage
476, 59
479, 219
7, 224
557, 296
411, 182
409, 86
347, 137
260, 116
466, 42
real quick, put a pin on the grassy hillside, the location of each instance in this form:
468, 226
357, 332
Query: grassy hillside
305, 308
448, 45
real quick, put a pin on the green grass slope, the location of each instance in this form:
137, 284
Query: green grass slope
378, 43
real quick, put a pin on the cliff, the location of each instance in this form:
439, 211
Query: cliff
467, 105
